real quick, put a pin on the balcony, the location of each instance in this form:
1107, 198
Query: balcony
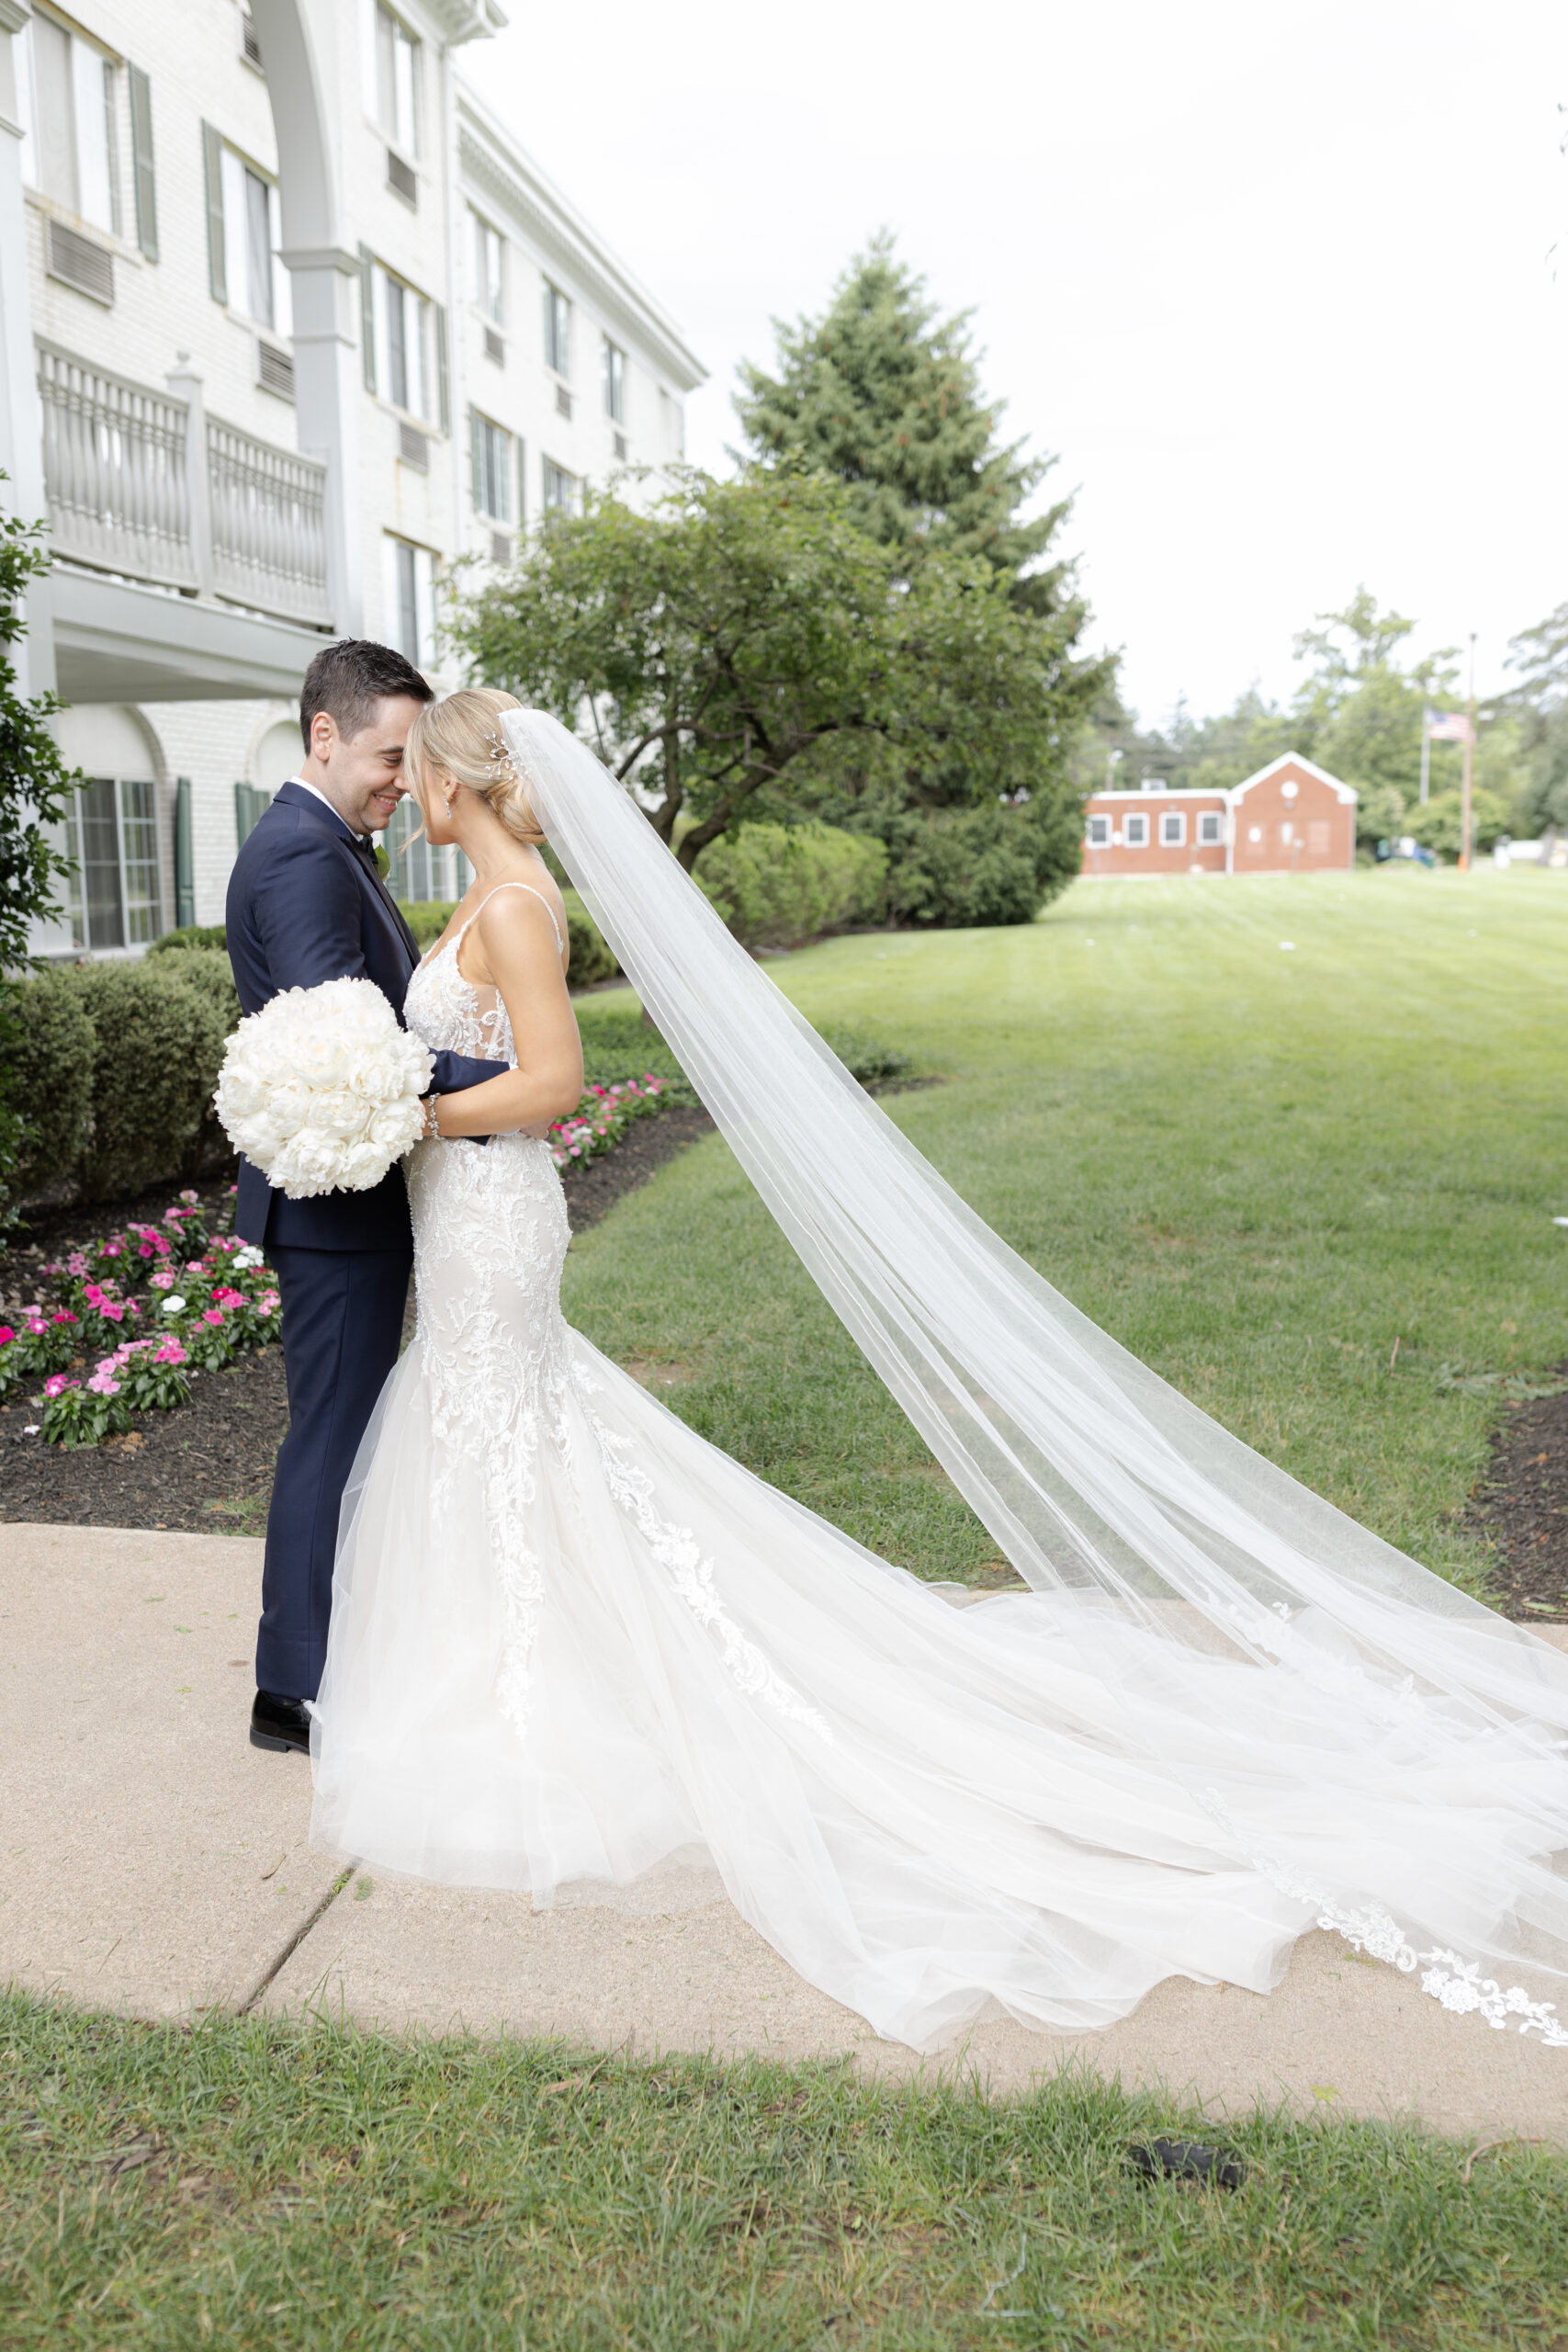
211, 544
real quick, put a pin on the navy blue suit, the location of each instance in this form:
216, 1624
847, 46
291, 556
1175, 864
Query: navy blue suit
306, 905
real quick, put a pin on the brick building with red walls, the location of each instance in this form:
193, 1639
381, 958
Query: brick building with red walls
1290, 818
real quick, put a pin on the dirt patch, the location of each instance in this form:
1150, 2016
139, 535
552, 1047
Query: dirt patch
208, 1466
1521, 1507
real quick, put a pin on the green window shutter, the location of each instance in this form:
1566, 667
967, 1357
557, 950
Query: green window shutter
443, 393
141, 162
251, 804
185, 855
368, 316
217, 266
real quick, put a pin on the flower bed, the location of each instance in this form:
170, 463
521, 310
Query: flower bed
129, 1317
602, 1116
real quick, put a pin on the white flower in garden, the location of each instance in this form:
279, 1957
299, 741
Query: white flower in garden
175, 1305
249, 1256
320, 1089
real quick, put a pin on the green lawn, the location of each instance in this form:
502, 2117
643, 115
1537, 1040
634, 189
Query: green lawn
1259, 1167
256, 2186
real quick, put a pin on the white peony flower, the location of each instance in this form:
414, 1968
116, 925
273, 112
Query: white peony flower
173, 1303
322, 1090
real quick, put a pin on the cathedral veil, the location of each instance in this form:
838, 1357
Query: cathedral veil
1091, 1472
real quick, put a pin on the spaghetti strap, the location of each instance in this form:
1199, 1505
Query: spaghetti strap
484, 902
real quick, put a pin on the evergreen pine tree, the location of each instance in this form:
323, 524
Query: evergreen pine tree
885, 395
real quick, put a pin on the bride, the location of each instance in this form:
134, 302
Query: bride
572, 1644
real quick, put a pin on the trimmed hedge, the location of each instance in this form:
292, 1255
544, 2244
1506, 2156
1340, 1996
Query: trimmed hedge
192, 934
112, 1068
775, 885
965, 869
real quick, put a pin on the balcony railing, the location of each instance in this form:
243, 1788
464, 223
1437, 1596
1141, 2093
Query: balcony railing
145, 483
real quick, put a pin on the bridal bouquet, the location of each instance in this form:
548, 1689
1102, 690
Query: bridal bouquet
320, 1088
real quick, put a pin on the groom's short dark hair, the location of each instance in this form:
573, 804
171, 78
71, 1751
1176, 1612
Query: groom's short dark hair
347, 680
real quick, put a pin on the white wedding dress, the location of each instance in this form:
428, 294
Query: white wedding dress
572, 1645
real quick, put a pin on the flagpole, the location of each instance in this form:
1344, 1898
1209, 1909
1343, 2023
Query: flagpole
1469, 759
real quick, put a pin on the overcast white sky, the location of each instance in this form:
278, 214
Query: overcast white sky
1273, 281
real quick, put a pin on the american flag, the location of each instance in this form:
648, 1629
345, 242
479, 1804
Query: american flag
1448, 727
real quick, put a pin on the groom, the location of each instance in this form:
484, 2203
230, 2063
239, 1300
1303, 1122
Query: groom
306, 904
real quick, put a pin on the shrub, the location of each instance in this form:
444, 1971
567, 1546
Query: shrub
191, 935
1438, 826
969, 867
158, 1045
48, 1063
773, 885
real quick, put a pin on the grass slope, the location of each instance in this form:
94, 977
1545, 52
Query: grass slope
1259, 1167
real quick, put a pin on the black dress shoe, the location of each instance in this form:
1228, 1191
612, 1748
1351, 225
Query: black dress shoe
279, 1724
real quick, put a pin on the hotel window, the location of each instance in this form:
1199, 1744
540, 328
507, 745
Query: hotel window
489, 271
243, 234
1286, 834
68, 115
560, 489
1211, 829
615, 382
408, 590
558, 330
1100, 832
1172, 828
1137, 832
112, 833
397, 80
493, 469
416, 872
407, 346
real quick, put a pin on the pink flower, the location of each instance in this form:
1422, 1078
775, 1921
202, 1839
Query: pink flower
213, 1314
188, 1195
171, 1351
76, 1264
162, 1280
110, 1313
104, 1383
5, 1333
64, 1315
56, 1383
228, 1298
113, 1248
268, 1301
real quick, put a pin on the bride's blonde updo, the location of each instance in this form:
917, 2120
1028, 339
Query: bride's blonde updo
462, 737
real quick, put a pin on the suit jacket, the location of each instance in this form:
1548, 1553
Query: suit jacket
306, 906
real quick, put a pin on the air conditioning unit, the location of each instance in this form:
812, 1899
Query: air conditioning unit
413, 447
401, 178
495, 348
500, 547
563, 402
76, 261
275, 371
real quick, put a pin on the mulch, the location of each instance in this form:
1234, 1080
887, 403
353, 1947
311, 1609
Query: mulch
1521, 1508
208, 1466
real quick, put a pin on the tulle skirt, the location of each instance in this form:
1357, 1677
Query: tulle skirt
573, 1644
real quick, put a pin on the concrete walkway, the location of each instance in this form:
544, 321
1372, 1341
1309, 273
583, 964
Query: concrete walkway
156, 1863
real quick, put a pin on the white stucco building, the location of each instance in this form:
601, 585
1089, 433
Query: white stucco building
291, 322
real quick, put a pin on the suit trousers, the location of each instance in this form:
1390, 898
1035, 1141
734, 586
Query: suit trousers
343, 1319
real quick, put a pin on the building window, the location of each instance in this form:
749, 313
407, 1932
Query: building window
69, 116
489, 271
397, 80
560, 489
409, 586
419, 873
403, 329
558, 330
1317, 837
493, 468
1137, 835
1172, 828
615, 382
1210, 828
1255, 833
1100, 832
1287, 835
256, 281
112, 832
251, 804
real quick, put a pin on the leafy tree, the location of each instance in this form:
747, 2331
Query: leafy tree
1440, 826
1537, 709
881, 394
34, 782
717, 645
